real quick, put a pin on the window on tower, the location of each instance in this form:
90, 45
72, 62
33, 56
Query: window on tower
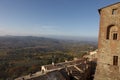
115, 60
114, 36
114, 11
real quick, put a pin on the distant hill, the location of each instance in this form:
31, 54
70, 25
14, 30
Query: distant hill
25, 41
75, 38
12, 42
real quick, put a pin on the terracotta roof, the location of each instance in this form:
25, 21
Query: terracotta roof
63, 64
50, 67
107, 6
53, 75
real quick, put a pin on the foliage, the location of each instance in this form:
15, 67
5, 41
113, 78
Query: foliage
23, 55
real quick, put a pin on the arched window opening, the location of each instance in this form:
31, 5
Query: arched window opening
108, 32
112, 32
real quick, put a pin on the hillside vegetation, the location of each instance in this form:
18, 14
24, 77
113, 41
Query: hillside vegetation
21, 55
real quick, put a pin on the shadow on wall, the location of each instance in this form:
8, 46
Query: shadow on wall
93, 69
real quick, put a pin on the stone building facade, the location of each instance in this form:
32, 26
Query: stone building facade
108, 65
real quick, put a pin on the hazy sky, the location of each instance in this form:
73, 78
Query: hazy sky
51, 17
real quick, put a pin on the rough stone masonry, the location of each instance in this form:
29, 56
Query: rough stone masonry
108, 65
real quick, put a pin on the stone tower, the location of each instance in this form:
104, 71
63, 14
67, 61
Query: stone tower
108, 65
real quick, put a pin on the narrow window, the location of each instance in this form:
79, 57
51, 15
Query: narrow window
114, 11
114, 36
115, 60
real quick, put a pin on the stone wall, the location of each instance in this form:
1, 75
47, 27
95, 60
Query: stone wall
107, 46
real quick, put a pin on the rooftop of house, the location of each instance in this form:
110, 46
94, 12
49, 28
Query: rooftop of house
64, 64
54, 75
